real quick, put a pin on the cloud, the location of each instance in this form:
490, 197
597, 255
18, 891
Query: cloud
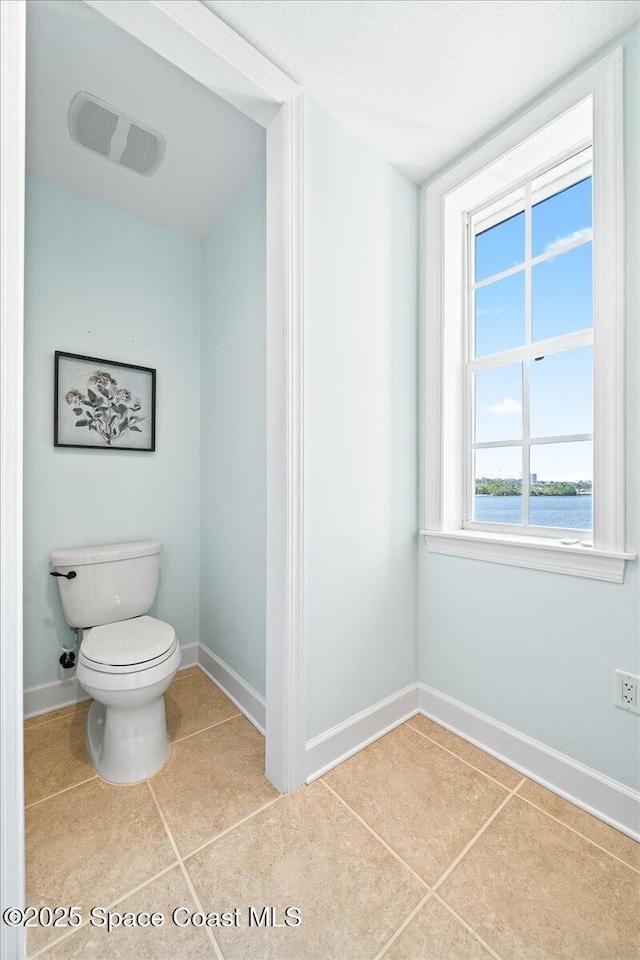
490, 313
507, 407
568, 238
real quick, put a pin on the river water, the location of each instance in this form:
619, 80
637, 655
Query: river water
566, 512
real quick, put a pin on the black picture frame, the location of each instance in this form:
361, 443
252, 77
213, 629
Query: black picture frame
102, 363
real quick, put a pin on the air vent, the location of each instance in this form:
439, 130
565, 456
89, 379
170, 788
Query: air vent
106, 130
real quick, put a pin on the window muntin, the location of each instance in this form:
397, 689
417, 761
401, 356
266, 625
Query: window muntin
530, 356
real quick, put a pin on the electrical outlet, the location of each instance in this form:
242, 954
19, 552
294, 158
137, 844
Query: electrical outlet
627, 692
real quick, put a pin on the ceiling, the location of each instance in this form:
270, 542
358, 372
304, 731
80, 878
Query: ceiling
212, 149
421, 80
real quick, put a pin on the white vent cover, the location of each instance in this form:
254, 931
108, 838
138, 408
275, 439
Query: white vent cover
106, 130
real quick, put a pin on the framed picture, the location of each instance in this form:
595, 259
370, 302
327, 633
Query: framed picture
103, 404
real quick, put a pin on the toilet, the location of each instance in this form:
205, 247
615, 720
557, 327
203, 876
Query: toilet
126, 660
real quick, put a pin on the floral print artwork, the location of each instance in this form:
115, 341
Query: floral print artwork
106, 408
103, 404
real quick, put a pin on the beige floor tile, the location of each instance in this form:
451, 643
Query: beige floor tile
306, 851
423, 802
601, 833
533, 889
168, 942
90, 846
193, 703
212, 781
57, 714
435, 934
478, 758
55, 756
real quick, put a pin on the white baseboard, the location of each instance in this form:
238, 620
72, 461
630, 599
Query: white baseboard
605, 798
189, 656
597, 794
46, 697
246, 699
51, 696
326, 751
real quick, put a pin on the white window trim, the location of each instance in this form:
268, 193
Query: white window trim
443, 340
477, 222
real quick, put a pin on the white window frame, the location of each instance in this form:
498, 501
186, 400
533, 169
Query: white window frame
448, 201
477, 221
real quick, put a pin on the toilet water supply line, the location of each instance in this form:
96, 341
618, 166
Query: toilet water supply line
68, 656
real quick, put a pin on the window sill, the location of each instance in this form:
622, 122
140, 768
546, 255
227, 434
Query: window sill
536, 553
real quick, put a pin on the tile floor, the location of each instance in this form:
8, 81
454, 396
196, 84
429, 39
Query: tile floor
421, 847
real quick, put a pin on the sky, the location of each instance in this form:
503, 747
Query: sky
561, 383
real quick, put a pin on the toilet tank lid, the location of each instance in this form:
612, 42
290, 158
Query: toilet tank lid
105, 554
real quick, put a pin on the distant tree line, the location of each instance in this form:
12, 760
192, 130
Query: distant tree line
493, 487
499, 488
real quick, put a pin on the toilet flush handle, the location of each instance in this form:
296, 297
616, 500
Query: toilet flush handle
69, 575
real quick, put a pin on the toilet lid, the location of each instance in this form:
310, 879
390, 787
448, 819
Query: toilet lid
128, 642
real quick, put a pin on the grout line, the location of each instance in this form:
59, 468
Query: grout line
434, 888
462, 759
525, 799
223, 833
183, 675
216, 724
164, 822
482, 829
405, 923
178, 862
376, 835
81, 706
110, 906
192, 889
573, 830
141, 886
466, 926
58, 793
196, 899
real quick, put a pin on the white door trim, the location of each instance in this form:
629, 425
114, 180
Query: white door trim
12, 120
285, 451
193, 38
189, 35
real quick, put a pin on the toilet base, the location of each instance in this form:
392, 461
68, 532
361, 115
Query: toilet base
127, 746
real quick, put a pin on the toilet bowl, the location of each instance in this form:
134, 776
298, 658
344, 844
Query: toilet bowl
126, 667
126, 660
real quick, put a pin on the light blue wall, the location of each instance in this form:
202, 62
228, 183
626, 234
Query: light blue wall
360, 424
104, 284
537, 650
233, 436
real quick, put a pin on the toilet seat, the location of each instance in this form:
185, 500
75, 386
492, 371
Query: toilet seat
128, 646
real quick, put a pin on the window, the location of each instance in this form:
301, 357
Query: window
529, 364
524, 366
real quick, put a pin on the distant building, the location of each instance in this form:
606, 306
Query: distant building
533, 479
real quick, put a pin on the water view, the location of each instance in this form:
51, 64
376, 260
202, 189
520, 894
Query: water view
547, 511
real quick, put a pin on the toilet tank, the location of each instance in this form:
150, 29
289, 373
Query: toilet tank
111, 583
